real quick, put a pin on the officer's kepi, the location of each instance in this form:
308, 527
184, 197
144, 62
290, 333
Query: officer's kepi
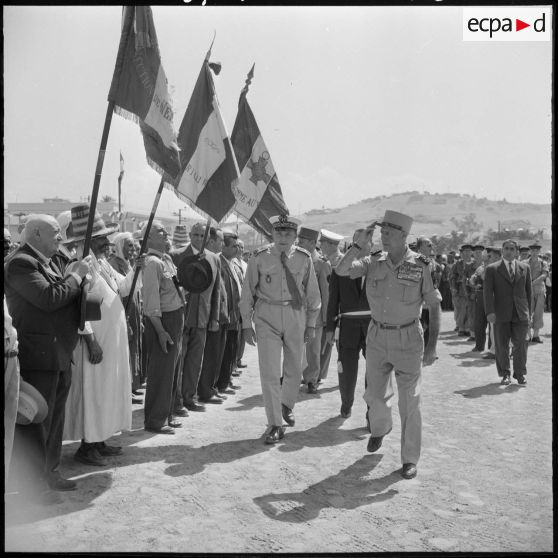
284, 222
397, 220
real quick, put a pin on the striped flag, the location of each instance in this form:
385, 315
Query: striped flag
121, 168
209, 169
258, 193
139, 89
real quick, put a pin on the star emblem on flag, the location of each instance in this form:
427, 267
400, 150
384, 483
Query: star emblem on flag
258, 169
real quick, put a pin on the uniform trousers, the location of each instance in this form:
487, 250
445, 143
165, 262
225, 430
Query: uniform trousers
325, 356
38, 447
400, 350
11, 396
228, 363
241, 344
461, 306
211, 365
470, 320
311, 373
516, 331
480, 321
161, 366
537, 306
193, 345
279, 328
352, 341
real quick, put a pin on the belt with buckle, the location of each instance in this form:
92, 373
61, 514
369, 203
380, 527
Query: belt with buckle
11, 353
389, 326
277, 302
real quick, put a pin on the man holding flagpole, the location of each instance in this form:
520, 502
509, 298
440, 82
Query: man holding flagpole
281, 294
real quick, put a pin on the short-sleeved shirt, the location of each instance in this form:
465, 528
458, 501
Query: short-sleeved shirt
159, 291
396, 292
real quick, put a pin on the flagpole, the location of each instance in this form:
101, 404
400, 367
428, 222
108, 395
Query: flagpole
97, 179
144, 239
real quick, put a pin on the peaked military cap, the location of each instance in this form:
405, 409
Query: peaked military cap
466, 247
331, 236
478, 247
397, 220
535, 246
282, 222
309, 234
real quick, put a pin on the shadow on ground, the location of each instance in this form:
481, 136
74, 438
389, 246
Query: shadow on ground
349, 489
21, 510
488, 389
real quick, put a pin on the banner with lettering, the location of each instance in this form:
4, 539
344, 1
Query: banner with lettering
209, 169
258, 192
139, 89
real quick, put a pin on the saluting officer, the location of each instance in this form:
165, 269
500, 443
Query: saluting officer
307, 239
398, 281
281, 295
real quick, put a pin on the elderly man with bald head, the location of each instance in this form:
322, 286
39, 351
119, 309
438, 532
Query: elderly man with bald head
44, 305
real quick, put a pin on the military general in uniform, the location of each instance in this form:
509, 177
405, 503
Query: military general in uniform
281, 295
398, 282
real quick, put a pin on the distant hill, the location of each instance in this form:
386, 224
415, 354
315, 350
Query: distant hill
432, 214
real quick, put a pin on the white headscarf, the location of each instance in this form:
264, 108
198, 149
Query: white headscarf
119, 241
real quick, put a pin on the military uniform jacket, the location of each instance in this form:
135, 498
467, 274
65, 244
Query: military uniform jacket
322, 267
460, 274
396, 291
266, 280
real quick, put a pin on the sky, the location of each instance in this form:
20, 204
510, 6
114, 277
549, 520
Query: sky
352, 102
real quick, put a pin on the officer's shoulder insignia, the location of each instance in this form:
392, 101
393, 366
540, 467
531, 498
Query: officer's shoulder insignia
424, 259
262, 250
299, 249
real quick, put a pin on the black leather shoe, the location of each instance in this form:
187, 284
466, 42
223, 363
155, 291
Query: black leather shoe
213, 400
240, 364
227, 391
536, 339
161, 430
194, 407
136, 401
409, 471
312, 388
56, 482
346, 413
489, 356
173, 423
506, 380
180, 412
521, 380
274, 435
103, 449
234, 386
219, 395
90, 456
288, 415
374, 444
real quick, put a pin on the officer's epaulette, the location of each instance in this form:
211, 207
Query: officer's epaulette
424, 259
323, 258
303, 251
377, 252
262, 249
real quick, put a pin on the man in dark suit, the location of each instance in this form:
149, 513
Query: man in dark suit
44, 305
348, 306
507, 300
201, 315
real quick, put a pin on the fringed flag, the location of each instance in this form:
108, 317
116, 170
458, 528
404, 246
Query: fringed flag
258, 192
209, 169
139, 89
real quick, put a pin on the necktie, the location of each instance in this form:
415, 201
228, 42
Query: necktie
511, 270
291, 284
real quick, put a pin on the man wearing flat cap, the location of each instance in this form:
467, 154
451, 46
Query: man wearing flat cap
281, 294
307, 239
539, 273
398, 282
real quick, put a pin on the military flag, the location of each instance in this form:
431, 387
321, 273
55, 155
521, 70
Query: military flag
139, 89
258, 192
209, 169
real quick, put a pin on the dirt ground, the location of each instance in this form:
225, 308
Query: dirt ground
484, 479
